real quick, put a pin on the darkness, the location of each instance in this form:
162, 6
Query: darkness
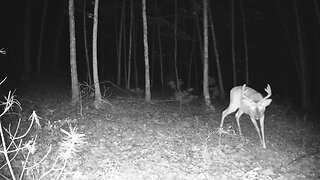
271, 29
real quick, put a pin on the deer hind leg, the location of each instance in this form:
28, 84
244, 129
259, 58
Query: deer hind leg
238, 114
225, 113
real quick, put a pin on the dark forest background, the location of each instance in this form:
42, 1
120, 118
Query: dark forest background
275, 51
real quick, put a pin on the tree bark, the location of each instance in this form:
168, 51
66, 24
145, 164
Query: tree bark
206, 93
215, 48
73, 62
98, 98
146, 56
89, 76
232, 45
44, 12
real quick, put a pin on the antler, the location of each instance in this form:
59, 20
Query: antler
268, 90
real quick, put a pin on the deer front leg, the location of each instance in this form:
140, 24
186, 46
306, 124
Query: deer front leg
263, 142
254, 122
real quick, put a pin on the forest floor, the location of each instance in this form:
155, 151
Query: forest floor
128, 138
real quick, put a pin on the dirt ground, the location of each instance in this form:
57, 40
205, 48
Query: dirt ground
128, 138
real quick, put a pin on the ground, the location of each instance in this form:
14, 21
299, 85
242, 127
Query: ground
128, 138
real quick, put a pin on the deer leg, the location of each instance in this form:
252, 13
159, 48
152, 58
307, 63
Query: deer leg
225, 113
254, 122
238, 114
263, 142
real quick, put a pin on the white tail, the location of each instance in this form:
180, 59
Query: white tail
250, 102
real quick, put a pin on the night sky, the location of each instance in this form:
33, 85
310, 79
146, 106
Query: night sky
271, 29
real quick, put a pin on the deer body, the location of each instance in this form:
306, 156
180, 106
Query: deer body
249, 101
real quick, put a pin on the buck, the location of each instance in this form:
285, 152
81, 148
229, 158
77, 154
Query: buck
248, 101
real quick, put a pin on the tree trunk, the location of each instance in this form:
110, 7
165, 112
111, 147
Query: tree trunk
304, 80
97, 93
73, 61
232, 46
215, 48
176, 46
160, 44
44, 12
146, 56
89, 76
245, 40
130, 45
120, 42
206, 93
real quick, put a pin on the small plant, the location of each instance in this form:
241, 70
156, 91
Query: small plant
71, 143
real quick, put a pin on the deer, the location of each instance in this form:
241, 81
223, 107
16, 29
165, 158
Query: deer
251, 102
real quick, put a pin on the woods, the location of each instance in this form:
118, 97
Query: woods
180, 49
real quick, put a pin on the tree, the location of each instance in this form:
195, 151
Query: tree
146, 56
215, 48
97, 93
245, 40
232, 46
85, 42
73, 63
206, 93
44, 12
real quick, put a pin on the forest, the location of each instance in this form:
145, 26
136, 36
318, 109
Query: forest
164, 75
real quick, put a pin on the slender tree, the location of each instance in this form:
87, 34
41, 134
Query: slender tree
245, 40
176, 45
98, 98
89, 76
120, 42
146, 56
206, 93
215, 48
232, 45
130, 45
302, 68
73, 62
160, 43
44, 12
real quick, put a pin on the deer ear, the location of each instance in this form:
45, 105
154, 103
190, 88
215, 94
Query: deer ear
266, 102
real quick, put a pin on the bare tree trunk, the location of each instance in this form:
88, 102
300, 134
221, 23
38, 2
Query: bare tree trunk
317, 90
160, 44
120, 42
44, 12
176, 45
215, 47
125, 51
136, 75
89, 76
97, 93
232, 46
245, 40
153, 58
146, 56
304, 82
73, 59
206, 93
27, 44
130, 44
